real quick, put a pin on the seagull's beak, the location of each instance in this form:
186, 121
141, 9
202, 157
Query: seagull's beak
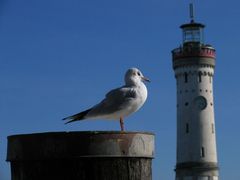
145, 79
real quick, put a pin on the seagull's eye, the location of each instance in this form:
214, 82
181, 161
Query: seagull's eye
138, 73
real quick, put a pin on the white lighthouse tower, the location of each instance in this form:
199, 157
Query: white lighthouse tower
193, 64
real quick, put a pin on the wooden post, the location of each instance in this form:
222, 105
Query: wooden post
86, 155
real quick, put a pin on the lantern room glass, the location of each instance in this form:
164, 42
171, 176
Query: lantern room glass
193, 34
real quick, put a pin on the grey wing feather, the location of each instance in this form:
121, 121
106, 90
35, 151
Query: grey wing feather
77, 117
114, 101
122, 92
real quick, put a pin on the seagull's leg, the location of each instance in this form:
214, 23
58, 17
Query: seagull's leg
121, 124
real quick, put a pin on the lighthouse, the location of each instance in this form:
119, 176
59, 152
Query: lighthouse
193, 65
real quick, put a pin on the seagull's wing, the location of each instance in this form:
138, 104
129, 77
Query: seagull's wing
120, 93
77, 117
114, 101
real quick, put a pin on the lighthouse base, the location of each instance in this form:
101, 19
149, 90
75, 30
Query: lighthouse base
197, 171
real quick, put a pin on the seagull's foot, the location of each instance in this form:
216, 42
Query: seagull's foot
121, 124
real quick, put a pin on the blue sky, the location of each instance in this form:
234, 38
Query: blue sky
60, 57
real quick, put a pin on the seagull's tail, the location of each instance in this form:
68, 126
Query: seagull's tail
76, 117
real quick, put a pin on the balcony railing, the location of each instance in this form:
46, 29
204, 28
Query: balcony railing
189, 51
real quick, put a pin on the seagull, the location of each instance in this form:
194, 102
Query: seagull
118, 103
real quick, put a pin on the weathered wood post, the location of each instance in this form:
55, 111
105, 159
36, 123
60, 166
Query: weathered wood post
86, 155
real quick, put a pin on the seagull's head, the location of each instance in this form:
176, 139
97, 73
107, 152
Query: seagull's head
134, 76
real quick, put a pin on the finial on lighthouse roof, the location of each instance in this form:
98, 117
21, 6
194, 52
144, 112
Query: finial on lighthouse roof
191, 11
192, 23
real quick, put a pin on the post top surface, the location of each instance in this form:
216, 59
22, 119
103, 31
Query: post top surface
80, 133
80, 144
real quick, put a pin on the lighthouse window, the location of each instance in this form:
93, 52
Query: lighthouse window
187, 178
202, 152
203, 178
185, 77
187, 128
210, 79
199, 77
212, 128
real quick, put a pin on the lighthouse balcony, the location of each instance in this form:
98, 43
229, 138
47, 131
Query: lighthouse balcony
190, 50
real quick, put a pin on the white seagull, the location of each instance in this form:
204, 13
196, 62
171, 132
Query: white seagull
119, 102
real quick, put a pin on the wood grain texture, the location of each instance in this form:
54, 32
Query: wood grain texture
84, 169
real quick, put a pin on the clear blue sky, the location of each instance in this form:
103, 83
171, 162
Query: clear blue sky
59, 57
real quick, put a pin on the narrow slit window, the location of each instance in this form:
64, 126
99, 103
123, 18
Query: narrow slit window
187, 128
199, 77
185, 77
210, 79
212, 128
202, 152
